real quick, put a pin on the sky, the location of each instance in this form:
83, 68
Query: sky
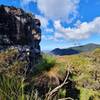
65, 23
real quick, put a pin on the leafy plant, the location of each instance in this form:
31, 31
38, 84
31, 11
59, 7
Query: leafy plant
46, 63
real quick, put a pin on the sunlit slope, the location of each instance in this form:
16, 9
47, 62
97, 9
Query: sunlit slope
75, 50
85, 72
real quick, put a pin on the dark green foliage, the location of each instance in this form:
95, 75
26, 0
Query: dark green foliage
46, 63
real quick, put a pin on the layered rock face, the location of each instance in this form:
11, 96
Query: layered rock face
20, 30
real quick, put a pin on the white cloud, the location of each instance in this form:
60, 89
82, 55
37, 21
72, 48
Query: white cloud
66, 10
82, 31
51, 38
44, 21
44, 24
49, 30
58, 9
58, 35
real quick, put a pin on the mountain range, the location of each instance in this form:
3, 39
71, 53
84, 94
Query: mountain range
75, 50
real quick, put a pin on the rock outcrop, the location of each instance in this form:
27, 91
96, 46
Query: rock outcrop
20, 30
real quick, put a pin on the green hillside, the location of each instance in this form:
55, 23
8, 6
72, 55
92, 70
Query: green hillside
75, 50
83, 79
87, 47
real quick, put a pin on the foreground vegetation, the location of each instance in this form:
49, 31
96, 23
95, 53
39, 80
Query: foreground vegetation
83, 81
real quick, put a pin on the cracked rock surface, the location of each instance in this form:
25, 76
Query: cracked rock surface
20, 30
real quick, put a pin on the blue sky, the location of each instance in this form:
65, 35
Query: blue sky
65, 23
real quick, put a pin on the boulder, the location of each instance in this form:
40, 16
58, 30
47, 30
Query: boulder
20, 30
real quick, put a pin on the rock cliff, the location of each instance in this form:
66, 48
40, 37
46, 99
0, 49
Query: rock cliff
20, 30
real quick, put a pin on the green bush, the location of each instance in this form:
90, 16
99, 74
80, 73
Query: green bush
46, 63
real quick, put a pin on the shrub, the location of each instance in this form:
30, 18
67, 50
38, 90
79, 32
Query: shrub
46, 63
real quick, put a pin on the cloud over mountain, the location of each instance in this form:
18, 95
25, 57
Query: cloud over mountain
81, 31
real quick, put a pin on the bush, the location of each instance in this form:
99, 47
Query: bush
46, 63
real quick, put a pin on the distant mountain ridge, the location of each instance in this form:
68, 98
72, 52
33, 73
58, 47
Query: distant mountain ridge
75, 50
